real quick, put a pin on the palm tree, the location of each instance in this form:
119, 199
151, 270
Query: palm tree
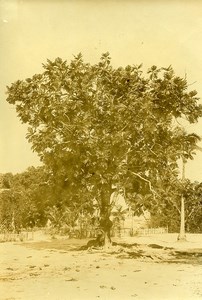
189, 147
182, 234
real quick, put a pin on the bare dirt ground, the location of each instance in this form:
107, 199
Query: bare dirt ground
153, 267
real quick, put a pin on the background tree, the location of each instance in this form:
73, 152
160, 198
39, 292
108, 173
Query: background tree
24, 204
186, 150
98, 128
171, 206
193, 206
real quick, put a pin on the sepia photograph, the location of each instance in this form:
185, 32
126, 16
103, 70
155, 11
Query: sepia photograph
100, 150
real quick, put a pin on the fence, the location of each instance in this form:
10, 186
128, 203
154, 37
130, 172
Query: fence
148, 231
8, 236
123, 232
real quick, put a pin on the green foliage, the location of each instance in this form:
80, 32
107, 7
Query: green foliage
96, 127
193, 204
24, 203
7, 180
169, 205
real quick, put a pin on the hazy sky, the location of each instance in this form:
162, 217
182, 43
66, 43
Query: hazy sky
158, 33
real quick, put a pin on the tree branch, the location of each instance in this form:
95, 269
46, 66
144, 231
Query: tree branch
146, 180
178, 209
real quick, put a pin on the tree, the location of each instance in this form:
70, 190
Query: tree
171, 206
98, 128
186, 150
34, 195
24, 203
193, 208
6, 181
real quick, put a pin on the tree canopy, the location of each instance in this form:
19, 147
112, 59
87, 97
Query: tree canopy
24, 198
99, 128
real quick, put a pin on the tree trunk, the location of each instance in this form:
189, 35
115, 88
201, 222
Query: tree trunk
182, 235
105, 222
106, 225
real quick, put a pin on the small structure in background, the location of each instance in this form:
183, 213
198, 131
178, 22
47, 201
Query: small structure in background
125, 223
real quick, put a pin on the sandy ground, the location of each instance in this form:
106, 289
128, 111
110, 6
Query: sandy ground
55, 270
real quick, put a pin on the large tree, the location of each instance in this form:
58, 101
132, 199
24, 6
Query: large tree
100, 128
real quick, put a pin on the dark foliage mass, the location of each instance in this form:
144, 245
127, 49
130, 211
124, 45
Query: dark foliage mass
100, 129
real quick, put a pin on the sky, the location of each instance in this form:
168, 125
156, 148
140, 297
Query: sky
151, 32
